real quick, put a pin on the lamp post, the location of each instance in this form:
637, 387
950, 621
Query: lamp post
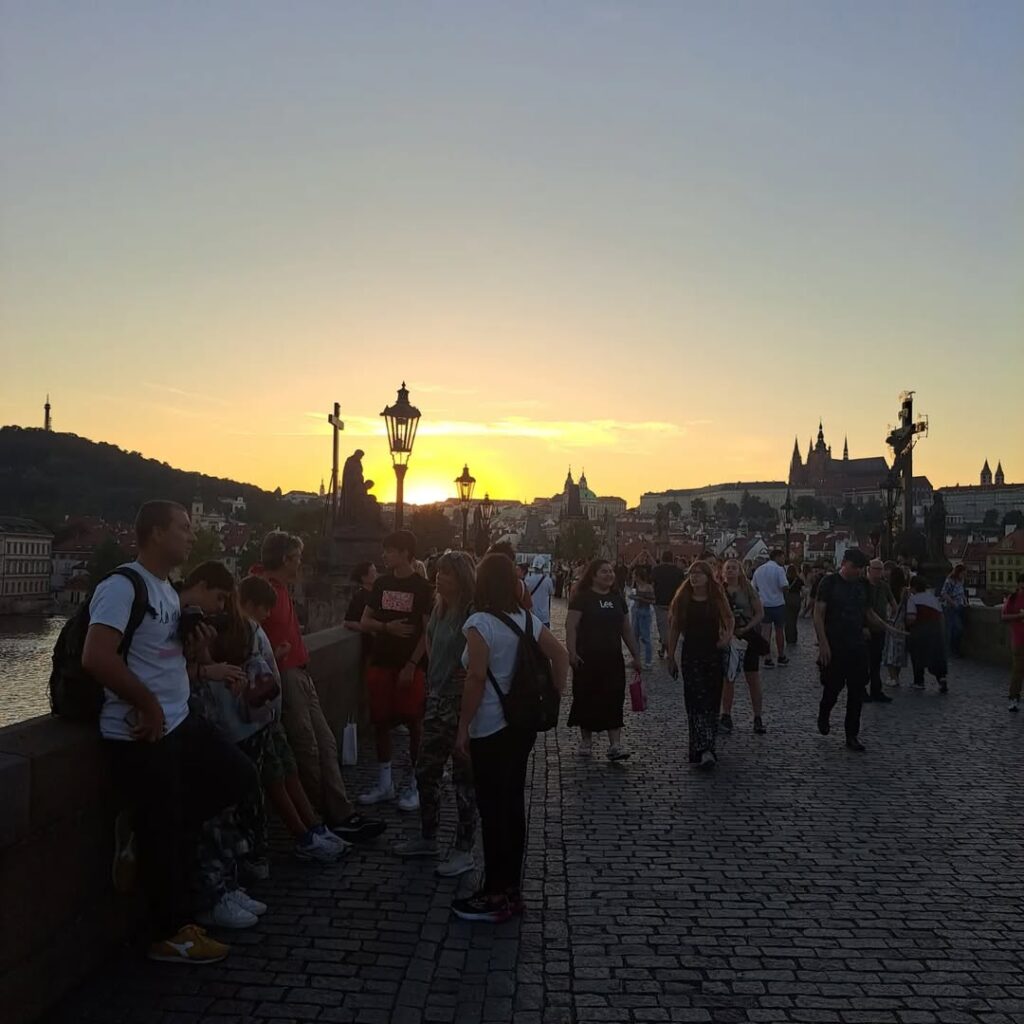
787, 519
402, 421
465, 484
486, 511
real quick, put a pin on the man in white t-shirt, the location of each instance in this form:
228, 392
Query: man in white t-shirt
540, 587
173, 769
772, 585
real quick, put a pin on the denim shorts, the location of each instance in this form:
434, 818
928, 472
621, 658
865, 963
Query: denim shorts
775, 615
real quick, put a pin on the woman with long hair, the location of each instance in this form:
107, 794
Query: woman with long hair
500, 751
894, 654
701, 616
595, 627
748, 612
455, 582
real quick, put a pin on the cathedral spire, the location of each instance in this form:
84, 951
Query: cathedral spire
47, 421
986, 475
846, 449
1000, 477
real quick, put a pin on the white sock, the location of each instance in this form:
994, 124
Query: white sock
384, 768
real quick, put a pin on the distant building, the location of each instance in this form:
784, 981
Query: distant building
578, 501
970, 504
299, 497
1005, 562
25, 553
771, 491
833, 479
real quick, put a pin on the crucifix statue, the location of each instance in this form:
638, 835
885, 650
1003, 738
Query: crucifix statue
337, 426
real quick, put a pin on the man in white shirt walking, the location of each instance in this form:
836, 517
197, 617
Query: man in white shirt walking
540, 587
771, 585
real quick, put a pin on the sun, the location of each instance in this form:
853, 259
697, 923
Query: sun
427, 493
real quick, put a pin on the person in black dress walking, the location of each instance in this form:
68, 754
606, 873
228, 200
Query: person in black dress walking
701, 616
595, 627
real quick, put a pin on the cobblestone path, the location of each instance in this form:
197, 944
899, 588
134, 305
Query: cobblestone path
798, 882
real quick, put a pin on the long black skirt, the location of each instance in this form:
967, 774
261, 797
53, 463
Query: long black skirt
598, 693
702, 693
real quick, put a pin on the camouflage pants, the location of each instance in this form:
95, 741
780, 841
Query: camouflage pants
220, 845
251, 810
440, 725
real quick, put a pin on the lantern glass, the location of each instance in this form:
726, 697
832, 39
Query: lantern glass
402, 421
486, 509
465, 484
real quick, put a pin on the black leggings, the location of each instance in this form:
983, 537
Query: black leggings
172, 787
499, 774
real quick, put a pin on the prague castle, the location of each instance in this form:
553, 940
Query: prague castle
835, 478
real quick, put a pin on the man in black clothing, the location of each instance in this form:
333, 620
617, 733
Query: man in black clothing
667, 578
842, 614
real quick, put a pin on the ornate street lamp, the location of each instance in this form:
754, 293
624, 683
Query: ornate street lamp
402, 421
465, 484
787, 520
486, 509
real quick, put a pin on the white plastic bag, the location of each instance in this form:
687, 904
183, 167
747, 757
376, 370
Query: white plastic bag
350, 744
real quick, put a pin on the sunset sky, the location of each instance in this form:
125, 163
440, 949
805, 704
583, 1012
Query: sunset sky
654, 240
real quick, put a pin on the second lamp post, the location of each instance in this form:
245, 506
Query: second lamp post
465, 484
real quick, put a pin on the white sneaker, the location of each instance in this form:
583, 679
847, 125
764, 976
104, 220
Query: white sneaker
378, 795
227, 914
323, 833
318, 848
458, 863
242, 899
409, 800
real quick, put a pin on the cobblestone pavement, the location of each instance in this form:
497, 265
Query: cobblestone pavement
798, 882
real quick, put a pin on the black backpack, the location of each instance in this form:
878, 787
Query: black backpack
74, 694
531, 703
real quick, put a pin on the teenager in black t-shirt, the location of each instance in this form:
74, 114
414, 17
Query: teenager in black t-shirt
363, 576
396, 615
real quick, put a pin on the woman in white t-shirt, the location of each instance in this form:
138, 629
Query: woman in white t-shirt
500, 752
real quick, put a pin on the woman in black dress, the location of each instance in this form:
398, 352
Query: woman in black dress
595, 627
701, 616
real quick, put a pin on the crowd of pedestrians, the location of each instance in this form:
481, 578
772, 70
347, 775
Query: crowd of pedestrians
211, 718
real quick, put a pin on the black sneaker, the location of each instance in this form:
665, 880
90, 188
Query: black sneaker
480, 907
759, 727
768, 663
725, 722
823, 723
881, 698
783, 660
852, 743
357, 828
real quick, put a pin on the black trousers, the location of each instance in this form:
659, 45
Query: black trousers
847, 669
876, 645
499, 775
172, 787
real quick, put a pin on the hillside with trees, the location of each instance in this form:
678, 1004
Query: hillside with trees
47, 476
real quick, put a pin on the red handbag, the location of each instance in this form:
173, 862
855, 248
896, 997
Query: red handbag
637, 693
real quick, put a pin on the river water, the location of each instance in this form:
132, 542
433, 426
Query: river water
26, 644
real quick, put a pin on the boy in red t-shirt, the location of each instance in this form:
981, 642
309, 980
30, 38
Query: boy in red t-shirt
1013, 614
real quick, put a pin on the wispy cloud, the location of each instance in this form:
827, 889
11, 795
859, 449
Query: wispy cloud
624, 435
167, 389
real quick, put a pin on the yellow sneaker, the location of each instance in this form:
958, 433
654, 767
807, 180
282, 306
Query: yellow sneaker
190, 946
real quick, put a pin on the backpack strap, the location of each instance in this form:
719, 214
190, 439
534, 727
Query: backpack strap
537, 587
140, 607
514, 626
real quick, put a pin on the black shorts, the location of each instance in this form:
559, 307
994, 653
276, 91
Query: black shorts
751, 659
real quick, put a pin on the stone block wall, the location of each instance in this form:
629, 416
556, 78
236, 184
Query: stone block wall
986, 637
61, 916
